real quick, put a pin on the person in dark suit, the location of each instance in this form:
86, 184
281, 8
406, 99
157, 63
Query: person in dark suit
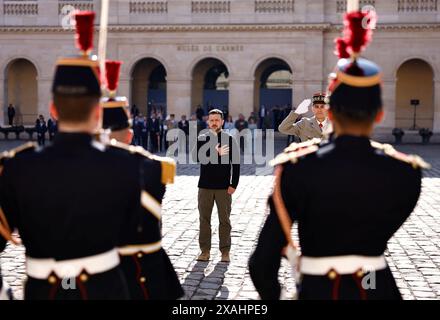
134, 111
41, 129
183, 140
11, 114
154, 132
241, 123
161, 131
52, 128
143, 125
184, 125
136, 131
261, 116
349, 195
200, 113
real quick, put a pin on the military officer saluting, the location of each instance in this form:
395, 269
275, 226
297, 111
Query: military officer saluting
308, 128
72, 227
147, 267
348, 196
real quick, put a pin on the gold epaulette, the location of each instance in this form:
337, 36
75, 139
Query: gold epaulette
168, 169
13, 152
168, 164
414, 160
295, 151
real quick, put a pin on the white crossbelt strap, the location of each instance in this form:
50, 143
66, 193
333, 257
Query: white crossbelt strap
340, 264
42, 268
144, 248
151, 204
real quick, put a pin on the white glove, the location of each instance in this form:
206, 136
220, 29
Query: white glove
292, 255
303, 106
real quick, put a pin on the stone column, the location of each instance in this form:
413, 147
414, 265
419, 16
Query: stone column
124, 88
3, 101
437, 106
389, 104
298, 93
179, 97
241, 97
44, 96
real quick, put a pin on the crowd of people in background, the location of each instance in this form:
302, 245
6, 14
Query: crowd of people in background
150, 130
41, 128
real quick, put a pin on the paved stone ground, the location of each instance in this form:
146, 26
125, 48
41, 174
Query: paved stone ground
414, 252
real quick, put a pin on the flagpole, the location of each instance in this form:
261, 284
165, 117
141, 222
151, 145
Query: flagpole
102, 45
352, 5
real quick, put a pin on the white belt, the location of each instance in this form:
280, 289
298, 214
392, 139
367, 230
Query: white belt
141, 248
341, 264
42, 268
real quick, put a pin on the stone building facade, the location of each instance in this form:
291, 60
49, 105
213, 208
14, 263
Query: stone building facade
177, 50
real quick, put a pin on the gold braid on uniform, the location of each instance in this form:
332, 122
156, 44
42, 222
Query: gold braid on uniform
5, 230
280, 207
295, 151
414, 160
290, 154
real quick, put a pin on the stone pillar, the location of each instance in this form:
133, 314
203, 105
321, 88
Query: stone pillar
3, 102
124, 88
241, 97
389, 103
44, 96
179, 97
298, 93
138, 93
436, 106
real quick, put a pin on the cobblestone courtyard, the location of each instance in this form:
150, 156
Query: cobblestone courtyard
414, 253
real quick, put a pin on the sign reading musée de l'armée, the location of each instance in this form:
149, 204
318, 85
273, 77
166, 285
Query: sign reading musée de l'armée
210, 47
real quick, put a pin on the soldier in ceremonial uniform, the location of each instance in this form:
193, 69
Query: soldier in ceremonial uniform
72, 227
308, 128
147, 267
348, 196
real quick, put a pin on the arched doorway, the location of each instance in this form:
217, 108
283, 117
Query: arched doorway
149, 86
210, 85
273, 90
415, 81
21, 90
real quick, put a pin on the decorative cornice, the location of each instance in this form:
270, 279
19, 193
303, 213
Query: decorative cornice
223, 28
397, 27
178, 28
